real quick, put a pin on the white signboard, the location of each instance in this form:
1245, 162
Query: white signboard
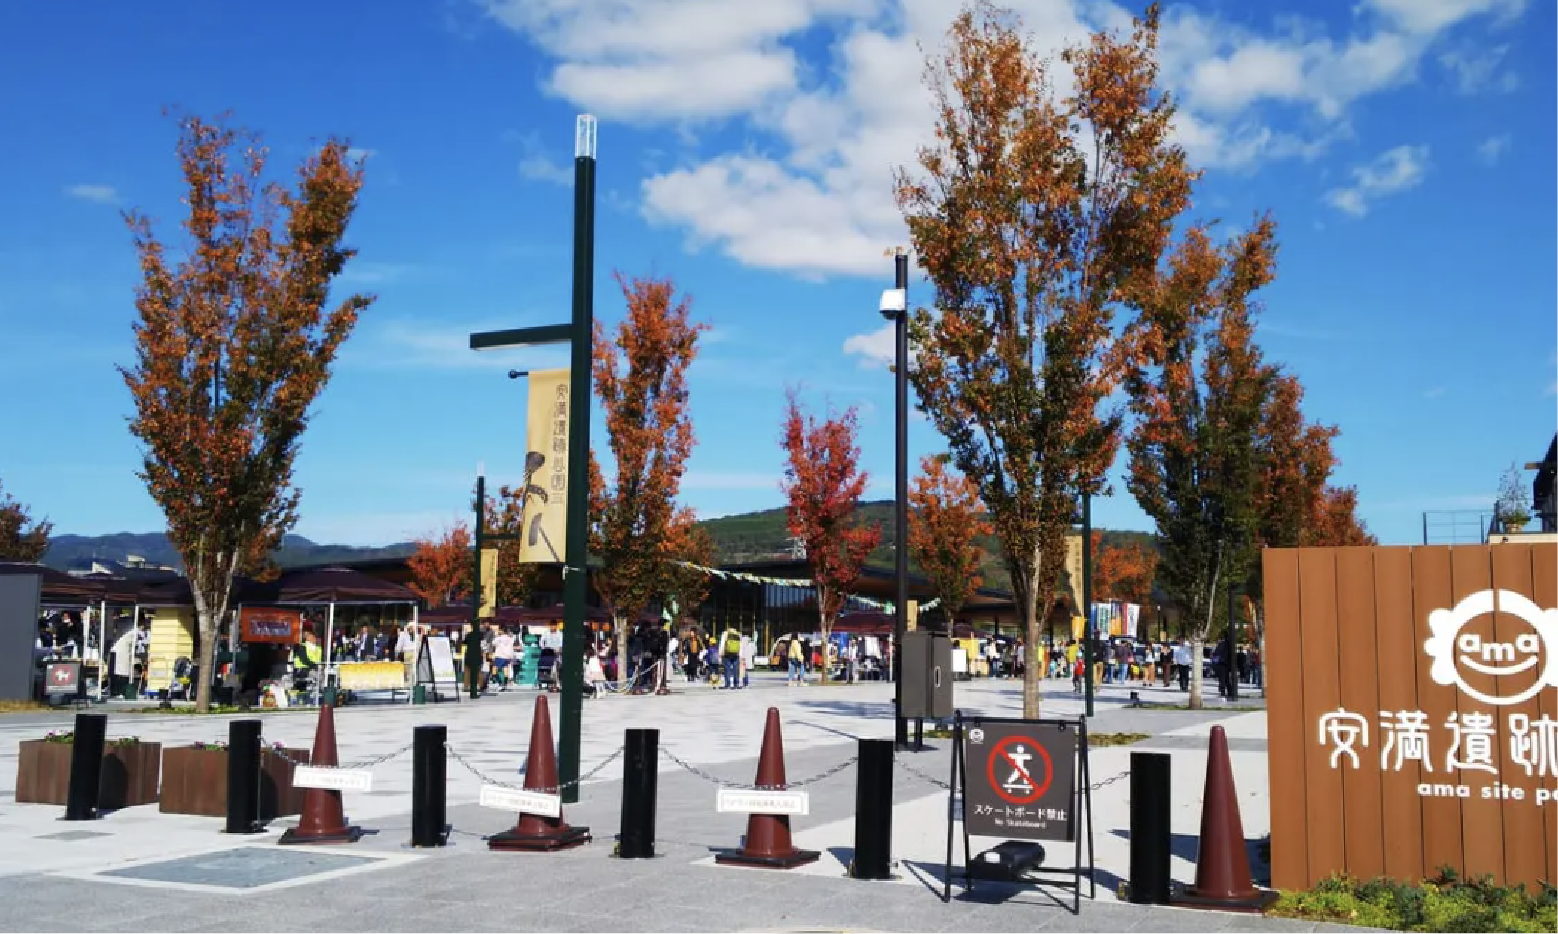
521, 801
443, 659
732, 801
313, 776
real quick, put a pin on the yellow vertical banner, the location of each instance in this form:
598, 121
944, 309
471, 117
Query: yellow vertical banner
489, 583
543, 536
1074, 570
911, 615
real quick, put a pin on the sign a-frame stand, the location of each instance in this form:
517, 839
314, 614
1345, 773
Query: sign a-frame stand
579, 334
1030, 782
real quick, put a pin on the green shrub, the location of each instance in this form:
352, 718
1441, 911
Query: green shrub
1443, 903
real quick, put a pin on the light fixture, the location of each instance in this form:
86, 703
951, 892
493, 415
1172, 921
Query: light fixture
894, 303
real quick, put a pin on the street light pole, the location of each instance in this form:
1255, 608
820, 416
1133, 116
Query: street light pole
576, 557
1087, 600
579, 334
899, 314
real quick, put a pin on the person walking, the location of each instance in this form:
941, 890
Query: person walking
797, 658
502, 658
748, 655
730, 657
473, 659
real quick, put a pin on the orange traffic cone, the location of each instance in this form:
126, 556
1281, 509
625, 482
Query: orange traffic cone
533, 831
767, 841
324, 819
1223, 863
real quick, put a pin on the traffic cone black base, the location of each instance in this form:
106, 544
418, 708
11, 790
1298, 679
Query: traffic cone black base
787, 861
545, 842
1255, 904
293, 838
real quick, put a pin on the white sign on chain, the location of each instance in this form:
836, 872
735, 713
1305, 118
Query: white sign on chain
734, 801
521, 801
330, 779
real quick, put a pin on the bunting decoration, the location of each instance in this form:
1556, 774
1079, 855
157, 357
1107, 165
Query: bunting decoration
884, 606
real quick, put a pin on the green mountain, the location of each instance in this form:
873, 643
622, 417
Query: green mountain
738, 539
68, 551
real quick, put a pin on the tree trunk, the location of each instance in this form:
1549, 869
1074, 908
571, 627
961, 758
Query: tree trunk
827, 634
620, 624
1032, 673
1196, 645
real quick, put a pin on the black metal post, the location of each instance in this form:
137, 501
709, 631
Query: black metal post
1087, 600
901, 494
86, 766
477, 531
1150, 829
640, 784
1231, 648
243, 777
429, 786
874, 811
576, 552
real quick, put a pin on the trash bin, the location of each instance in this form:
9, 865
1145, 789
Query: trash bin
419, 694
329, 695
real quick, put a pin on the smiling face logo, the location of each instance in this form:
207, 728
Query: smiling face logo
1455, 651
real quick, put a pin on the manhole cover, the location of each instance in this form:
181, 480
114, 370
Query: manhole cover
243, 868
70, 835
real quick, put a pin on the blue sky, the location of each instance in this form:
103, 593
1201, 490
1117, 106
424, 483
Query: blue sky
1406, 147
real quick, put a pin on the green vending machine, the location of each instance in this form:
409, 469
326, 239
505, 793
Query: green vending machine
529, 674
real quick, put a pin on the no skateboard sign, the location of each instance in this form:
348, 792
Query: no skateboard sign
1021, 780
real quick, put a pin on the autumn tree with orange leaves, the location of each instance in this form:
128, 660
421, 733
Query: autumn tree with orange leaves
1198, 386
234, 341
946, 522
442, 567
1123, 572
1298, 505
22, 538
641, 379
822, 485
1035, 217
505, 515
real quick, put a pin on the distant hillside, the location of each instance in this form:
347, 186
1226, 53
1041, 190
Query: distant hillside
747, 537
66, 551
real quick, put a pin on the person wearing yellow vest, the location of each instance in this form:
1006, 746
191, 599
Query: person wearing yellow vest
730, 655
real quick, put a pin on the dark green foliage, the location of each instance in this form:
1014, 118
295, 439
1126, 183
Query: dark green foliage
1443, 903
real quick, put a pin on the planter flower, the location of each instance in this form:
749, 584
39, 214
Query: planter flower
194, 781
131, 769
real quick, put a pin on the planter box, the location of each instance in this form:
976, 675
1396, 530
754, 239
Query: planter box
194, 781
130, 774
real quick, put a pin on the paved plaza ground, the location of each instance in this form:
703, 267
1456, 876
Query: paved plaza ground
140, 870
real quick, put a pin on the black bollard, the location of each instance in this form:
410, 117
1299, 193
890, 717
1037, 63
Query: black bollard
874, 811
86, 766
640, 784
1150, 830
429, 786
243, 777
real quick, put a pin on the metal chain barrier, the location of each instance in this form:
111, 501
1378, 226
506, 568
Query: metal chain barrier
1121, 776
489, 780
277, 749
739, 786
632, 684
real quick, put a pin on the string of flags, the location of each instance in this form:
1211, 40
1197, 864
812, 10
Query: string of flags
884, 606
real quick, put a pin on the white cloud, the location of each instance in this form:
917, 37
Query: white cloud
1393, 171
875, 349
537, 166
363, 272
375, 529
1492, 149
97, 194
807, 187
1477, 70
412, 344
